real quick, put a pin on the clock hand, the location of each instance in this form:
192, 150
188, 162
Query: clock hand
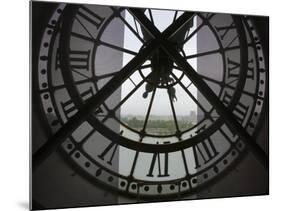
162, 65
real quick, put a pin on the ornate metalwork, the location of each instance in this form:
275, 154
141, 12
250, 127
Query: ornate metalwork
70, 50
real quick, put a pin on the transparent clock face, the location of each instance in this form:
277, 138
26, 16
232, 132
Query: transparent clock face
157, 134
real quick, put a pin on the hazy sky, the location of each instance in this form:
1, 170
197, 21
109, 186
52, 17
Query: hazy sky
161, 105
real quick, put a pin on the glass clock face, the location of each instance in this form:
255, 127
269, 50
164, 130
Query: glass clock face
157, 134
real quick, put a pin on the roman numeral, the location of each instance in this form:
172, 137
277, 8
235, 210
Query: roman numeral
90, 16
226, 98
234, 69
223, 30
69, 108
109, 152
240, 109
87, 94
157, 159
204, 152
79, 60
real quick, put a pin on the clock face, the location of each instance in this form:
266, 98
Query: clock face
157, 131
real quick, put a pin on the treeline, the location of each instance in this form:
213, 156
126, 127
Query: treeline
160, 124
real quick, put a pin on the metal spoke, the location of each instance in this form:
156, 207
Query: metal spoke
150, 15
232, 41
130, 93
211, 80
204, 88
136, 26
193, 33
145, 66
204, 77
218, 105
190, 94
154, 32
116, 107
40, 155
212, 52
99, 42
221, 83
120, 103
128, 25
86, 138
93, 78
175, 16
98, 77
132, 81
